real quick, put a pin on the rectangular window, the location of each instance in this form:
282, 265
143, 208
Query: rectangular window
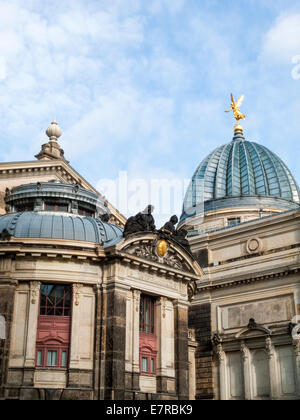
85, 212
147, 308
64, 359
55, 300
152, 365
39, 359
234, 221
51, 358
144, 364
49, 206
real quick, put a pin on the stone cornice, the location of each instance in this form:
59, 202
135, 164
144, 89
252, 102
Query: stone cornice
247, 280
80, 252
258, 225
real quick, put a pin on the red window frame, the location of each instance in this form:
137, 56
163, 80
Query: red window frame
148, 339
52, 347
54, 324
150, 355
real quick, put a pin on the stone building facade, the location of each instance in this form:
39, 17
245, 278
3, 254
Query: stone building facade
88, 314
246, 311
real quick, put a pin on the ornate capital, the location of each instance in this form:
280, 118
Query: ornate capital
35, 290
269, 347
163, 302
244, 350
76, 292
220, 353
136, 299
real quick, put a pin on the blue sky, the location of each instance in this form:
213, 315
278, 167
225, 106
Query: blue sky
141, 86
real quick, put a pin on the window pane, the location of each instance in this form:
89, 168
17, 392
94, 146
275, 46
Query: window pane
147, 314
55, 300
64, 359
51, 358
152, 365
39, 358
144, 364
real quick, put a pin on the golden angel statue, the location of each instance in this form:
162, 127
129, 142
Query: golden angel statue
235, 108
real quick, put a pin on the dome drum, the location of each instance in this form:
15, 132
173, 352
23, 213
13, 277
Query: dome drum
52, 195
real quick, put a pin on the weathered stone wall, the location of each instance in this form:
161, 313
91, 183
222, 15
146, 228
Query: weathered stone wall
200, 320
7, 294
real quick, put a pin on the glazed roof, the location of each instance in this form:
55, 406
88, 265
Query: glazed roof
60, 226
240, 169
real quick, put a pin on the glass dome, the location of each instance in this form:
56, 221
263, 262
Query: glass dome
241, 173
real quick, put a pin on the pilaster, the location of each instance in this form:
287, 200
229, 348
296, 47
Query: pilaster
181, 349
274, 391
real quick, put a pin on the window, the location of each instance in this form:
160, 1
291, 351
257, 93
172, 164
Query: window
147, 309
55, 300
49, 206
27, 207
54, 326
148, 362
234, 221
39, 358
148, 339
64, 359
144, 364
50, 357
85, 212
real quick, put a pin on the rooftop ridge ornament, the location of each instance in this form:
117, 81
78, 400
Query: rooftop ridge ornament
52, 149
54, 131
237, 113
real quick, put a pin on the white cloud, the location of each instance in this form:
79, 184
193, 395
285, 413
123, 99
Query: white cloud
282, 41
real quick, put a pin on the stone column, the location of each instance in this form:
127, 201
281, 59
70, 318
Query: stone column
115, 343
98, 331
274, 391
136, 340
297, 358
181, 350
132, 367
298, 300
7, 299
29, 363
161, 333
192, 364
246, 369
74, 344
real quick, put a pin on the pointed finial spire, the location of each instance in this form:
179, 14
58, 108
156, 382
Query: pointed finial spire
54, 131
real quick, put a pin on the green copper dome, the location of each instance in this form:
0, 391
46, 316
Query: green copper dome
241, 173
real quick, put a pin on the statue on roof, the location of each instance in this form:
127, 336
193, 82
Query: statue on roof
141, 222
169, 227
235, 108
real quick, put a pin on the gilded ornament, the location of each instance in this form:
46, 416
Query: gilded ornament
236, 112
162, 248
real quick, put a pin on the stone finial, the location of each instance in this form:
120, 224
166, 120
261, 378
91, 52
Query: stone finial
54, 131
52, 149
